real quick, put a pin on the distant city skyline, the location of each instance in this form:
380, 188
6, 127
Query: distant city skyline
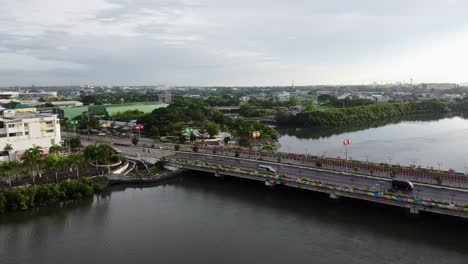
232, 43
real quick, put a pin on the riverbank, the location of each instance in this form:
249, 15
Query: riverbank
337, 117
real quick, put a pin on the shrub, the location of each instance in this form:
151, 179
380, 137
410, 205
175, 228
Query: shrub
177, 147
33, 196
195, 148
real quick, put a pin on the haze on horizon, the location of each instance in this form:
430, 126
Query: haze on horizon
216, 42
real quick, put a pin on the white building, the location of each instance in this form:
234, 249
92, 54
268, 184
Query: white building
24, 130
282, 97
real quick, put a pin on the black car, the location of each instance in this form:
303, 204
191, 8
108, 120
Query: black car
402, 185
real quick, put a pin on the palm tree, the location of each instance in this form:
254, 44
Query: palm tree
8, 148
32, 158
55, 162
55, 149
77, 161
15, 165
6, 168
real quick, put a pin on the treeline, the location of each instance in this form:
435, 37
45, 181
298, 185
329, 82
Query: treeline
197, 113
47, 194
331, 100
362, 114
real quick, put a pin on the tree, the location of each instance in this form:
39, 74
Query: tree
182, 139
56, 162
6, 169
226, 140
8, 148
74, 143
135, 141
244, 142
212, 129
177, 147
195, 148
55, 149
77, 161
193, 138
32, 158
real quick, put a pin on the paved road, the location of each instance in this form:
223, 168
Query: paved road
459, 196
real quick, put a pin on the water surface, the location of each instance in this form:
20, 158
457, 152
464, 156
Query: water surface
436, 143
202, 219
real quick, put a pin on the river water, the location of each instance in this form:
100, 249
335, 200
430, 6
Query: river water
435, 143
203, 219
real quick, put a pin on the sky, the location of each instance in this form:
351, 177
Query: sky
232, 43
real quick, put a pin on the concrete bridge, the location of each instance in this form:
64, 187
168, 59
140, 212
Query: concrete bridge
431, 197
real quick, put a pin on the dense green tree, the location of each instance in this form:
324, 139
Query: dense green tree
33, 159
55, 162
8, 149
212, 129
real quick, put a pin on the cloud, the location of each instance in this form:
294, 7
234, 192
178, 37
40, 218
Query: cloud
216, 42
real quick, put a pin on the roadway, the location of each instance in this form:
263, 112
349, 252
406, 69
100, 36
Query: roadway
425, 191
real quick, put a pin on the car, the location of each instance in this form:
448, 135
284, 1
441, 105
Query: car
402, 185
102, 134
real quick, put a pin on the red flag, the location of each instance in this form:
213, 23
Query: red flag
346, 141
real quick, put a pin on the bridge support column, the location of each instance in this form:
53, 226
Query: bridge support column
334, 195
270, 183
414, 210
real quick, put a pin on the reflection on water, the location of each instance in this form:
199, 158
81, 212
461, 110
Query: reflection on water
324, 132
202, 219
425, 142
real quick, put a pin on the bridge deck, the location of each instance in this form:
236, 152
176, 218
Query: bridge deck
439, 199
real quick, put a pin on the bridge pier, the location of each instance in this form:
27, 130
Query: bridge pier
218, 175
334, 195
414, 210
270, 183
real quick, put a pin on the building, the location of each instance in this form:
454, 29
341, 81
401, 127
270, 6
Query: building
24, 130
282, 97
67, 103
69, 113
27, 95
439, 86
111, 110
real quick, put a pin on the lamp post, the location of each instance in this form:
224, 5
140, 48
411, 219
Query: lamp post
74, 123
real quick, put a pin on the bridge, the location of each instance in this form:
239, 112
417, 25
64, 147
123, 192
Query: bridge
448, 197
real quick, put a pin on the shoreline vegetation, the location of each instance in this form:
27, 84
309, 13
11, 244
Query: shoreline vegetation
337, 117
25, 198
325, 132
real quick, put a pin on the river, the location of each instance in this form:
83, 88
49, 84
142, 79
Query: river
427, 143
203, 219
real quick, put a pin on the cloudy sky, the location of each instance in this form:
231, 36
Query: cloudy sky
235, 42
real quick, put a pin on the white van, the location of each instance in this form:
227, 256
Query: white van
266, 168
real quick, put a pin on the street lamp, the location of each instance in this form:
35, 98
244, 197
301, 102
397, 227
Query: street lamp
74, 123
255, 135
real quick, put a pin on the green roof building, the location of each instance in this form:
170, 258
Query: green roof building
112, 110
